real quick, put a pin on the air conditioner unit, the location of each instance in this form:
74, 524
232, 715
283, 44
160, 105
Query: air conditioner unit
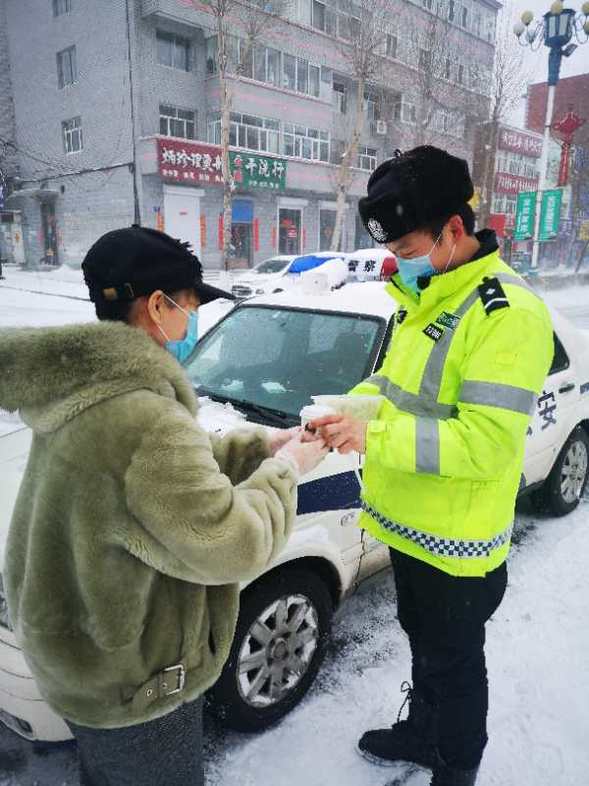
381, 127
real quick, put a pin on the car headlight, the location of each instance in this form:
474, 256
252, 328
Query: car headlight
259, 291
4, 618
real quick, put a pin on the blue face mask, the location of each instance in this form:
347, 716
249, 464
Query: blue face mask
412, 269
182, 348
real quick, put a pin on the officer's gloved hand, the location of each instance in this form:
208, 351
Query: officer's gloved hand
303, 456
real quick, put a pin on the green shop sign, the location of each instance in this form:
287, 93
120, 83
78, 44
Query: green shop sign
525, 215
550, 214
253, 171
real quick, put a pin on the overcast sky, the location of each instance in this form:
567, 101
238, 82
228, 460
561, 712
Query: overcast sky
577, 63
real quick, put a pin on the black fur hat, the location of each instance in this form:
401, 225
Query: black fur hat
413, 188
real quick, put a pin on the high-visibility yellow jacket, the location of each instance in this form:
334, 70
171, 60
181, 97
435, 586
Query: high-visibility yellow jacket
460, 380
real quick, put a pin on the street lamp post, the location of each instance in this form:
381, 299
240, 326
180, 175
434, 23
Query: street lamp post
556, 29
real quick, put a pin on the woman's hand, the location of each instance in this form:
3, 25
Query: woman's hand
279, 438
341, 432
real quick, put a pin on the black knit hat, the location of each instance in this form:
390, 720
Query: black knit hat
128, 263
413, 188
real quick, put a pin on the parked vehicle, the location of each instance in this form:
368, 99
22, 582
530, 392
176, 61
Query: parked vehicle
261, 364
371, 264
266, 277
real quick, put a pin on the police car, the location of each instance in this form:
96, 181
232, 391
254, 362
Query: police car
260, 364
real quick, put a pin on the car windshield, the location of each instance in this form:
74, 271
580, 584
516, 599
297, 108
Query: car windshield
277, 358
271, 266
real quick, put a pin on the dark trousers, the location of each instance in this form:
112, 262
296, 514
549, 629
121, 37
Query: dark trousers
444, 617
163, 752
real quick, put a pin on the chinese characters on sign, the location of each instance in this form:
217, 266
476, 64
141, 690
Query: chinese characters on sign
550, 214
525, 215
201, 164
546, 409
513, 184
517, 142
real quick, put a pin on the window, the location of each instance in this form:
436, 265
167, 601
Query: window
261, 63
61, 7
211, 55
460, 74
451, 10
308, 143
289, 72
448, 69
173, 51
72, 135
367, 158
355, 28
299, 75
273, 67
318, 15
67, 72
464, 17
560, 361
425, 59
177, 122
340, 97
404, 110
372, 107
477, 23
302, 75
247, 131
392, 45
253, 353
326, 229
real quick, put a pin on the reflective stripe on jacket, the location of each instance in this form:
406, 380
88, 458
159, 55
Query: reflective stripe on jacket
460, 382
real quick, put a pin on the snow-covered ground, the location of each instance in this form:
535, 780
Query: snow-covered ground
538, 660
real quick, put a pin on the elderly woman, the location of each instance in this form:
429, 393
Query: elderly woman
133, 526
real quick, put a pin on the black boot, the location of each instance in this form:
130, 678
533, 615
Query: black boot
410, 740
448, 776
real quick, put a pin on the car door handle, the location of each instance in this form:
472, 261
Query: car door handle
567, 388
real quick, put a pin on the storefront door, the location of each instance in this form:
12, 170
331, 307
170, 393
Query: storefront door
49, 232
241, 233
182, 214
289, 230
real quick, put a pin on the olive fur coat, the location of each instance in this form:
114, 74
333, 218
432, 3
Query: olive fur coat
132, 527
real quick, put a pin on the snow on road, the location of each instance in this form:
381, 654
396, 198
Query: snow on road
538, 645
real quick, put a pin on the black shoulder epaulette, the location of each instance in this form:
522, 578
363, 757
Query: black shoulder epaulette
492, 295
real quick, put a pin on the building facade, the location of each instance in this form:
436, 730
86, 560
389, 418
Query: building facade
514, 168
117, 116
571, 94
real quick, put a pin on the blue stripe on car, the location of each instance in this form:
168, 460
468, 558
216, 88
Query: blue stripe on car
334, 492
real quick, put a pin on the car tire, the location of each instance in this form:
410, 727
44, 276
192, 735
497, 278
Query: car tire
244, 700
562, 490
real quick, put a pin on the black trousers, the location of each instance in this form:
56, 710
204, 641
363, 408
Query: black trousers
444, 617
163, 752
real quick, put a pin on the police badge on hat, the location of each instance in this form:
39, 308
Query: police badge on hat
376, 230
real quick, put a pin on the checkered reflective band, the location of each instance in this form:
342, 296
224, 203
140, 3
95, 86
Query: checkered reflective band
445, 547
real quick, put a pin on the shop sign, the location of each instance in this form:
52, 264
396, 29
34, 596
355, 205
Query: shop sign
550, 214
201, 164
513, 184
517, 142
524, 215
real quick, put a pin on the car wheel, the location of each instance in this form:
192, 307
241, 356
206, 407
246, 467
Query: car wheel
280, 641
566, 483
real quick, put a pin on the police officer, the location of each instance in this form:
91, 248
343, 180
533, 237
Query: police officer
470, 350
